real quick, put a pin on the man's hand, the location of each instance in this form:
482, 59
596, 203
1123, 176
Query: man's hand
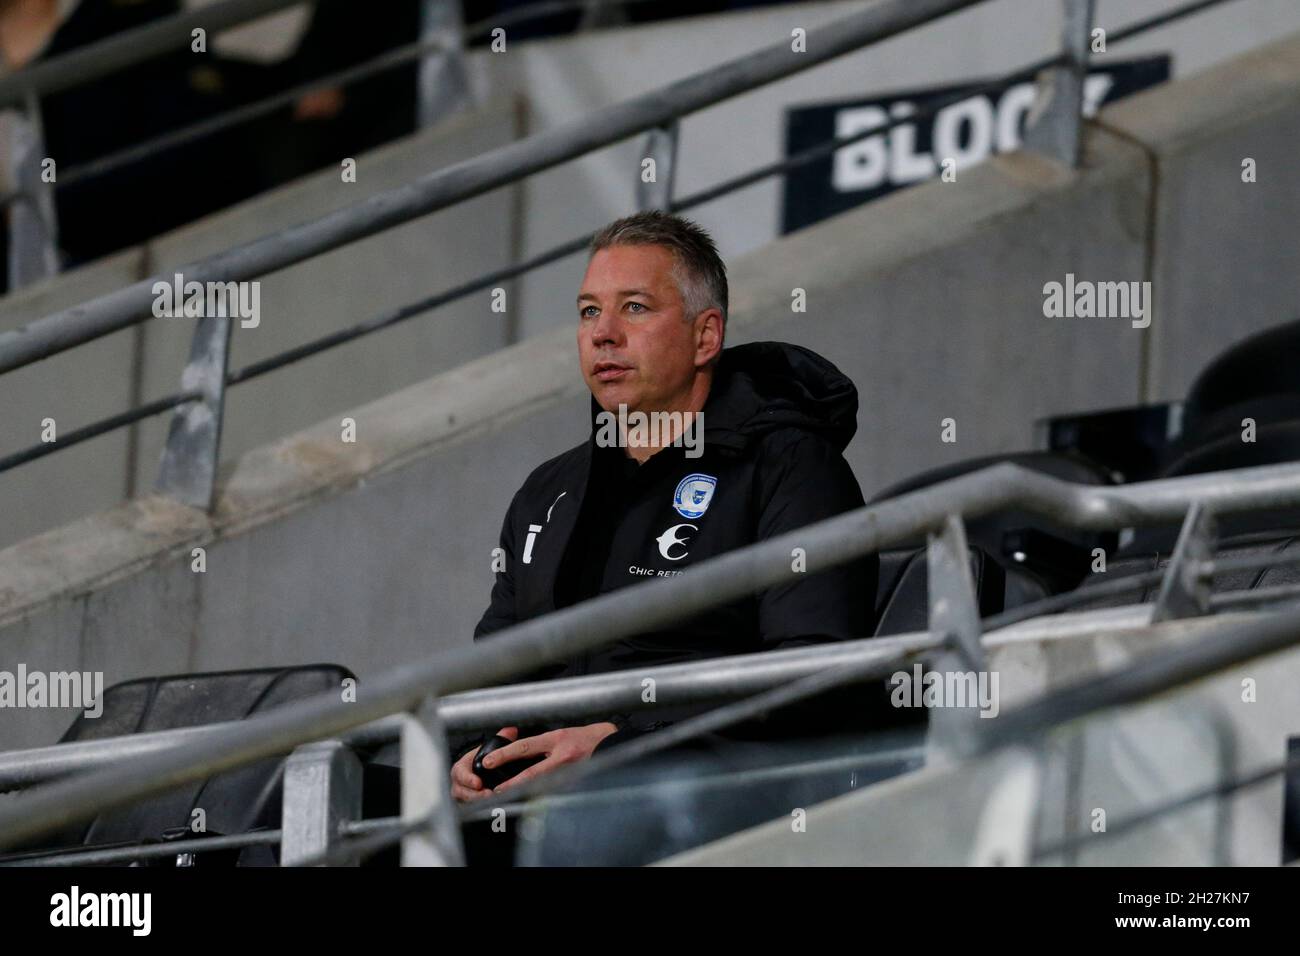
465, 783
559, 747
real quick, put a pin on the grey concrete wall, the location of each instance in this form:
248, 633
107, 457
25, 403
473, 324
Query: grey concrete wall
76, 388
303, 302
557, 79
1224, 251
377, 552
568, 77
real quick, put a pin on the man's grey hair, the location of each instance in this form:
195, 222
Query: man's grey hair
699, 271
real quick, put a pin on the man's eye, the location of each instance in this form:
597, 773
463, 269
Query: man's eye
636, 306
585, 311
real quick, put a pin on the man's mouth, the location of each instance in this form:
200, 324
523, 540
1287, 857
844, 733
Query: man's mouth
609, 371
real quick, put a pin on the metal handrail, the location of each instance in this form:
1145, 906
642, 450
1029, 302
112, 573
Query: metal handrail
715, 582
578, 697
494, 277
20, 769
484, 281
1124, 825
651, 605
128, 852
89, 63
698, 681
465, 180
382, 63
1220, 646
131, 853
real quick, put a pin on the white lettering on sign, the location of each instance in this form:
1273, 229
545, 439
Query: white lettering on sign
967, 132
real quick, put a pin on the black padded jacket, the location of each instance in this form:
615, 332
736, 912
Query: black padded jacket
775, 425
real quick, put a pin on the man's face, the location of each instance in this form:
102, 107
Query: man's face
635, 346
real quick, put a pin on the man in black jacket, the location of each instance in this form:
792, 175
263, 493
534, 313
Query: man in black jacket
750, 448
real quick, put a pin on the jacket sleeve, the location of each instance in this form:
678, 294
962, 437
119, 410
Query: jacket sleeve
501, 612
805, 482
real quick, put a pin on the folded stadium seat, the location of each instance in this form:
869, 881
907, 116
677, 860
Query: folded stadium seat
1272, 542
1262, 366
233, 802
903, 595
1016, 557
1255, 379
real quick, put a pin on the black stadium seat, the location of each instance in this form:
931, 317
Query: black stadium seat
1259, 379
1258, 367
1016, 557
1133, 561
902, 598
1255, 379
233, 802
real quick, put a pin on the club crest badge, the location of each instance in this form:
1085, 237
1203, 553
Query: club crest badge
694, 492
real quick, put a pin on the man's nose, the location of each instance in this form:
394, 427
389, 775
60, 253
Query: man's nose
606, 330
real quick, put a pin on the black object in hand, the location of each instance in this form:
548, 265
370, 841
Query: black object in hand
493, 777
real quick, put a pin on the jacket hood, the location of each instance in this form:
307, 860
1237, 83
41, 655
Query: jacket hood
760, 387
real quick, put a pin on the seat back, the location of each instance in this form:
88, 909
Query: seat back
232, 802
1037, 558
1133, 561
903, 594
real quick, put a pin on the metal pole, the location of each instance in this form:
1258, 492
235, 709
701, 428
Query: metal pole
131, 47
144, 851
445, 187
442, 86
426, 791
188, 470
1145, 676
955, 623
660, 603
20, 769
661, 150
33, 226
322, 792
1005, 832
1185, 590
1056, 120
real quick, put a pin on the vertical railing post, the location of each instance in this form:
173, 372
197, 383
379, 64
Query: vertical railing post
1185, 589
33, 225
660, 146
188, 471
322, 792
955, 619
442, 84
1004, 835
1055, 125
426, 792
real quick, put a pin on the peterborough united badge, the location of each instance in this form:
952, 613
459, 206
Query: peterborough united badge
693, 495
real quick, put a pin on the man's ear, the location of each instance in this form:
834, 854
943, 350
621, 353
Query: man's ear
708, 336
